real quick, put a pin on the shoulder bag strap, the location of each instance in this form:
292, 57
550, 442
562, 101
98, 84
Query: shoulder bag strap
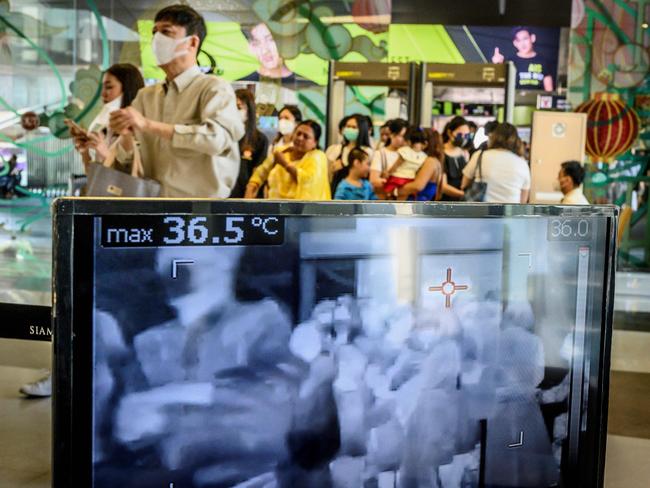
478, 166
137, 170
109, 161
341, 155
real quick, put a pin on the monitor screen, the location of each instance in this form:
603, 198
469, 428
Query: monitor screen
227, 344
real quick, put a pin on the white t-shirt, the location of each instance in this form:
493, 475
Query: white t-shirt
383, 159
412, 162
505, 173
575, 197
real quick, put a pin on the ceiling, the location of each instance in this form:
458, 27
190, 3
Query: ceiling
549, 13
543, 13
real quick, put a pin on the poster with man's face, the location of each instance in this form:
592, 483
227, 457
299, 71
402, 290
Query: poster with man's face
533, 50
262, 45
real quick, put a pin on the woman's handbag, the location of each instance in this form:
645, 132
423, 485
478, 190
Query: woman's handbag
106, 181
476, 192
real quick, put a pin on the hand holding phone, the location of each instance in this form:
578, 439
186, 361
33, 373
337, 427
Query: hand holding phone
76, 130
79, 135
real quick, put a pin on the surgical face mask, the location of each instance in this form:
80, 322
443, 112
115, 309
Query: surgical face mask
243, 113
460, 139
351, 134
101, 121
113, 105
164, 48
469, 141
286, 127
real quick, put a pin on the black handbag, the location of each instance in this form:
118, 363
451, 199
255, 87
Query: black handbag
476, 192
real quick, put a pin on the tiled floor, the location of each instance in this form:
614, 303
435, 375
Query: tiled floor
627, 462
25, 436
628, 443
631, 351
25, 424
629, 405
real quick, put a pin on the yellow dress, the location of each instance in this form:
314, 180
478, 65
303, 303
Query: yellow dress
312, 182
261, 173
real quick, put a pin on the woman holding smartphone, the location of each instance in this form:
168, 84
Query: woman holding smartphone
120, 85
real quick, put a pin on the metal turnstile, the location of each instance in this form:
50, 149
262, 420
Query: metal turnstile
396, 76
475, 84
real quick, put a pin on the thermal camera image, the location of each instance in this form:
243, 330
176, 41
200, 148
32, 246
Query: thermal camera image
360, 352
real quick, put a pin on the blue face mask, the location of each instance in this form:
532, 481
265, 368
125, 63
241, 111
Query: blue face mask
351, 134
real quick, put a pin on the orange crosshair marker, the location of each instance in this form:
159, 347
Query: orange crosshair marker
448, 288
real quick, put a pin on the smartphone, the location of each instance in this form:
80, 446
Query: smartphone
75, 129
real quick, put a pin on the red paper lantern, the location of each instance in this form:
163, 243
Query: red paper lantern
372, 15
612, 126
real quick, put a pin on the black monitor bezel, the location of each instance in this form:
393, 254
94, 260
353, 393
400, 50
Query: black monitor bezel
73, 231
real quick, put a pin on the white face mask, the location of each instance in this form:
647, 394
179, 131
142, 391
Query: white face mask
101, 121
243, 113
164, 48
286, 127
113, 105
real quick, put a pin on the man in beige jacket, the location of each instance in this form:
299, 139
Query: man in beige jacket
187, 127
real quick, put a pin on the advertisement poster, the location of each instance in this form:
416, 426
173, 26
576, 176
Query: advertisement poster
533, 50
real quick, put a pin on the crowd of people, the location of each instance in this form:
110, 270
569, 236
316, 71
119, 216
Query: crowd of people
199, 138
406, 163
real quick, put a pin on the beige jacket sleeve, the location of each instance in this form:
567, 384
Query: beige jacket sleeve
123, 156
220, 127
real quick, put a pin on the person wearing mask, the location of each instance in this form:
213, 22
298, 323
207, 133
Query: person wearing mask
354, 130
299, 171
469, 142
253, 147
503, 169
570, 178
427, 184
120, 85
355, 184
387, 156
288, 117
335, 148
455, 136
188, 126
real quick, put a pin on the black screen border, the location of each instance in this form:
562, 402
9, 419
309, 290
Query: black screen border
73, 307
